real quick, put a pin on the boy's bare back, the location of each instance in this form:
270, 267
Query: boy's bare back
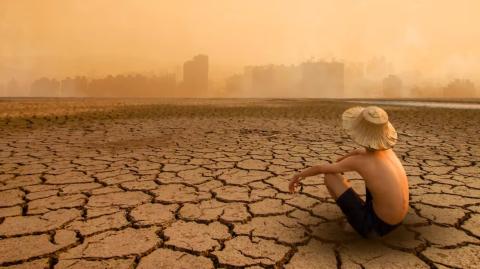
386, 179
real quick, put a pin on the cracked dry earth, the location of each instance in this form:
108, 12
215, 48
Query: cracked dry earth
203, 184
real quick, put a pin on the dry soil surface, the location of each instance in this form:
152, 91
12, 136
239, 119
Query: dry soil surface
203, 184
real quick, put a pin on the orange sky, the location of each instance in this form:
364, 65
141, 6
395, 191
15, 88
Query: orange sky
67, 37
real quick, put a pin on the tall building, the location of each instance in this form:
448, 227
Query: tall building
378, 68
310, 79
76, 86
235, 85
354, 79
263, 79
392, 87
460, 88
271, 80
12, 88
323, 79
195, 75
45, 87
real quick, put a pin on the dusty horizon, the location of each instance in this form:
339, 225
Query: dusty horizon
67, 38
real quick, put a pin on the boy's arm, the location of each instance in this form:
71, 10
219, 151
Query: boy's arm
348, 164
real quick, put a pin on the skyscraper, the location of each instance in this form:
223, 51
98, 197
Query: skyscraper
392, 87
195, 75
323, 79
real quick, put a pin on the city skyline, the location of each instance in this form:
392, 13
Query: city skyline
54, 39
313, 79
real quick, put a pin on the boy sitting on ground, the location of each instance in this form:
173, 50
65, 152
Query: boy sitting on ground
386, 183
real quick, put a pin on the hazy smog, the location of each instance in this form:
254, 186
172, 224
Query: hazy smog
305, 48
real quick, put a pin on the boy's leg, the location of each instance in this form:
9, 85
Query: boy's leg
336, 184
348, 200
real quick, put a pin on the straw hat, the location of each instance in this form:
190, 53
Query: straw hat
369, 127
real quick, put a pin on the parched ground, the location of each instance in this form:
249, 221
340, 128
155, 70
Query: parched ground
203, 184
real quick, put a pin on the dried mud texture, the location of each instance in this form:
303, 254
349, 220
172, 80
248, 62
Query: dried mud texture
93, 183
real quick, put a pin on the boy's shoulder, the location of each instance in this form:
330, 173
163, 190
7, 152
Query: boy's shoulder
372, 156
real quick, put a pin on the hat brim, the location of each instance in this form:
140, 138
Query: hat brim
378, 137
349, 117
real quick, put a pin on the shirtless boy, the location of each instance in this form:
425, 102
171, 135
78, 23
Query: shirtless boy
386, 183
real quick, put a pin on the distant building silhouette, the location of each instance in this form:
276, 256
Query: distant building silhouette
378, 68
460, 88
310, 79
161, 86
287, 81
45, 87
12, 88
262, 79
129, 85
354, 72
425, 90
267, 81
354, 79
322, 79
76, 86
236, 85
195, 75
392, 87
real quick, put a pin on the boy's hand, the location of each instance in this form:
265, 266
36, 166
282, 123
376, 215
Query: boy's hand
294, 182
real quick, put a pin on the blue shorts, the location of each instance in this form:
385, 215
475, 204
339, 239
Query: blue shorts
361, 215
